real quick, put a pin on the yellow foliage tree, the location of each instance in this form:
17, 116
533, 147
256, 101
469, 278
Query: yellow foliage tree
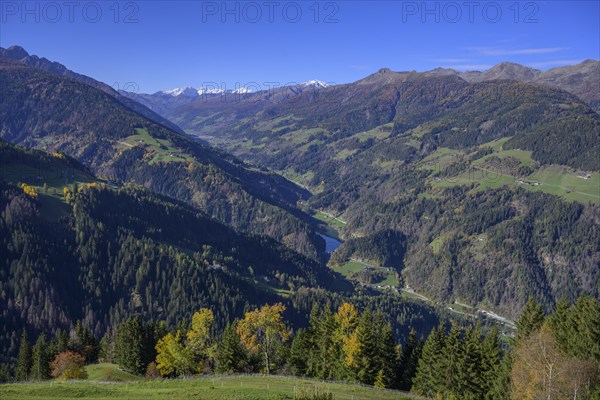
198, 337
173, 357
347, 321
261, 329
29, 191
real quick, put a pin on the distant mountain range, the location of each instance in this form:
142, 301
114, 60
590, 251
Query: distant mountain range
190, 92
163, 102
582, 80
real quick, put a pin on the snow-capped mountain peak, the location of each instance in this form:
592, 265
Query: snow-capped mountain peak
186, 91
209, 90
242, 90
315, 83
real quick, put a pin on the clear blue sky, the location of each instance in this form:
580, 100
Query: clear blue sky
161, 45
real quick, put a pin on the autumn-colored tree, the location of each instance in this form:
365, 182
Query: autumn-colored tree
198, 337
261, 329
173, 357
542, 371
68, 365
347, 321
29, 190
152, 371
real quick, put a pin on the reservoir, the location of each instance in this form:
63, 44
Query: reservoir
330, 243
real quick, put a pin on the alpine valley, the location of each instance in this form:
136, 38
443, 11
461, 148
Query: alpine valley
369, 213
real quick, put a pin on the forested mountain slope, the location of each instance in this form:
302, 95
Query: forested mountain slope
74, 248
456, 167
20, 54
51, 112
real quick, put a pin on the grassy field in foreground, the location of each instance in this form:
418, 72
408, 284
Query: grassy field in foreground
218, 388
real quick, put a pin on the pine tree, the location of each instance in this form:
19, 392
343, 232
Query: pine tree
451, 361
387, 356
407, 365
300, 352
367, 341
500, 387
24, 360
130, 345
40, 368
531, 319
107, 347
82, 341
58, 344
429, 377
231, 353
490, 362
470, 365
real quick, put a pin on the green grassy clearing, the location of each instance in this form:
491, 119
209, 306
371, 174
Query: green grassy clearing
55, 176
379, 132
158, 149
356, 266
557, 180
523, 156
497, 145
345, 153
209, 388
437, 243
439, 159
331, 226
566, 183
336, 222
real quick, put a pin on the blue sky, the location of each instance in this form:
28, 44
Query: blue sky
155, 45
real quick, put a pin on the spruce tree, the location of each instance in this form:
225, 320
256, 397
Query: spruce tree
84, 342
490, 362
231, 354
24, 360
59, 343
367, 360
387, 355
470, 365
407, 365
40, 367
451, 360
429, 377
531, 319
300, 352
328, 349
130, 345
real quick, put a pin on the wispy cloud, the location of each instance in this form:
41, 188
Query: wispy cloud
495, 51
553, 63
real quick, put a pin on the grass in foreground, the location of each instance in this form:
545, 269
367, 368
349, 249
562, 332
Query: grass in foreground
217, 388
